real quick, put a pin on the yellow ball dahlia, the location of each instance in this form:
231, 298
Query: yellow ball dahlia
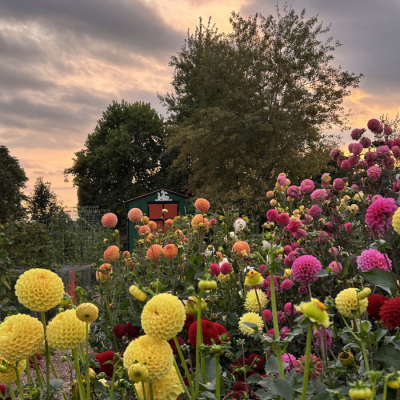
9, 375
65, 331
349, 305
253, 318
163, 316
20, 337
87, 312
251, 303
396, 221
155, 353
168, 388
39, 289
137, 293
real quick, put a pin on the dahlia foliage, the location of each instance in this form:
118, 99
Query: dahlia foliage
304, 305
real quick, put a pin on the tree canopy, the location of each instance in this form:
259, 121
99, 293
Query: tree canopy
12, 182
121, 157
252, 103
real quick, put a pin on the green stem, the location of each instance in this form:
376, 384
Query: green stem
182, 381
144, 391
38, 372
183, 361
151, 391
28, 371
87, 362
78, 374
113, 380
276, 347
11, 390
47, 353
307, 363
199, 341
18, 382
385, 387
56, 376
217, 376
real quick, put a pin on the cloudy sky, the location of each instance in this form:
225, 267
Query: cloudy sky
63, 62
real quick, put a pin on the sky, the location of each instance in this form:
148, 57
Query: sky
63, 62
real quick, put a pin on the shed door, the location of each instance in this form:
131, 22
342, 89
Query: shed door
155, 211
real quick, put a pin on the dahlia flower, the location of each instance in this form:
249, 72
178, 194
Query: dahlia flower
202, 205
253, 278
167, 388
87, 312
104, 273
163, 316
135, 214
349, 305
316, 366
199, 222
374, 172
374, 126
315, 311
396, 221
251, 303
137, 293
283, 219
267, 315
239, 224
156, 354
375, 302
289, 359
10, 375
319, 195
209, 330
103, 360
373, 259
39, 289
305, 268
307, 186
241, 248
390, 313
109, 220
20, 337
253, 318
65, 331
111, 254
154, 252
170, 251
272, 215
137, 372
226, 268
379, 214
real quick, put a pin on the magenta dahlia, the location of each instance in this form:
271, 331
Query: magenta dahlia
305, 268
380, 213
373, 259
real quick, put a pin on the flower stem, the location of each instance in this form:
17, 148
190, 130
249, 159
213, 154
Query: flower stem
112, 380
28, 371
307, 363
18, 382
182, 381
151, 391
11, 390
87, 362
46, 345
178, 347
199, 341
38, 372
78, 374
217, 376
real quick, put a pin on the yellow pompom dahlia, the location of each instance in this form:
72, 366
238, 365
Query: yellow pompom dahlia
163, 316
315, 311
65, 331
9, 375
251, 303
168, 388
138, 372
156, 354
39, 289
396, 221
137, 293
349, 305
20, 337
253, 318
87, 312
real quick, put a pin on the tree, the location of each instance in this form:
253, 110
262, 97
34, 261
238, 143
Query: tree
43, 203
121, 157
12, 182
250, 104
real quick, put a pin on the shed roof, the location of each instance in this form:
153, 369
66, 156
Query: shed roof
156, 191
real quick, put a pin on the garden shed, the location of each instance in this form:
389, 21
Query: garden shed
152, 205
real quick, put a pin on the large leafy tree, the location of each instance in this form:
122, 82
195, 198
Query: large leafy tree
250, 104
12, 182
121, 157
43, 203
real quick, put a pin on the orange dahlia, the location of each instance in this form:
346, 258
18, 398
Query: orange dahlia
241, 248
199, 222
202, 205
153, 226
168, 223
143, 229
104, 273
170, 251
109, 220
154, 252
111, 254
135, 214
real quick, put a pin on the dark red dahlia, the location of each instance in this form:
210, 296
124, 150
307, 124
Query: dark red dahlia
101, 358
131, 330
390, 313
189, 321
256, 362
119, 331
221, 330
375, 302
209, 332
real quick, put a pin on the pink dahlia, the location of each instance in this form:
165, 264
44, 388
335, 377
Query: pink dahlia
365, 142
281, 180
357, 133
380, 213
281, 317
215, 269
305, 268
287, 249
293, 226
294, 192
283, 219
289, 359
375, 126
387, 130
388, 163
226, 268
382, 150
338, 184
374, 172
267, 315
319, 195
325, 180
272, 215
307, 186
335, 154
315, 211
302, 290
286, 284
373, 259
289, 259
396, 151
284, 332
345, 165
289, 309
315, 367
336, 267
109, 220
325, 337
355, 148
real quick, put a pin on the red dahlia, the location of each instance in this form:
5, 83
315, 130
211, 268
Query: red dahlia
390, 313
101, 358
256, 362
221, 330
209, 332
119, 331
375, 302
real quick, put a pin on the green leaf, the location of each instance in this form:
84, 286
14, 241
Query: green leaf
56, 383
271, 365
322, 273
388, 356
381, 278
282, 388
251, 325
